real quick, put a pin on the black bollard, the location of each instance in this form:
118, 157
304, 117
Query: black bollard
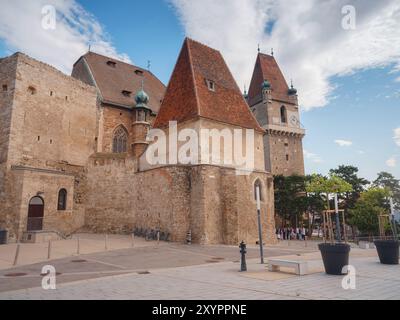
243, 251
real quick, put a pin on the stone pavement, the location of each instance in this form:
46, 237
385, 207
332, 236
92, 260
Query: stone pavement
222, 281
88, 243
130, 260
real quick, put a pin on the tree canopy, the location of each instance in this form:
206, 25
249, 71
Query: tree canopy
388, 181
365, 214
350, 175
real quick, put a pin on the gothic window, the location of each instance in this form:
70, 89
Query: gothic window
283, 114
120, 140
257, 184
62, 200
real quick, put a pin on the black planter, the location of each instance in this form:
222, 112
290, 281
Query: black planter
335, 257
388, 251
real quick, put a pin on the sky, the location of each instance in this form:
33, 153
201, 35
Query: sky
343, 57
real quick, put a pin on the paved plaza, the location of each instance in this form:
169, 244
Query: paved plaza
173, 271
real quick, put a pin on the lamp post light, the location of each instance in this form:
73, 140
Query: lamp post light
259, 223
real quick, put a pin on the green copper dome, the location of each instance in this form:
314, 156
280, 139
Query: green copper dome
141, 99
266, 84
292, 91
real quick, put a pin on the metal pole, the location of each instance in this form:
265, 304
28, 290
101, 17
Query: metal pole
259, 224
106, 242
78, 246
16, 255
133, 239
393, 224
49, 251
338, 235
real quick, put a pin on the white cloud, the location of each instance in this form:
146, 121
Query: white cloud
307, 36
343, 143
312, 157
21, 29
391, 162
397, 136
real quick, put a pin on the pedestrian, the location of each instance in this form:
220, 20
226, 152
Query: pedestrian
303, 233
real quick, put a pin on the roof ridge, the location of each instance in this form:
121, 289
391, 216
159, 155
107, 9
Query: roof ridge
204, 45
193, 78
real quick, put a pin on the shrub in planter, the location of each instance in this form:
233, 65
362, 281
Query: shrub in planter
335, 256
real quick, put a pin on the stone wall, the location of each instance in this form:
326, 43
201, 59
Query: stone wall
52, 134
224, 210
110, 202
7, 87
215, 204
31, 182
281, 146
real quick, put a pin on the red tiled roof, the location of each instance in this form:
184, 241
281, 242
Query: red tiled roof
188, 96
267, 68
111, 81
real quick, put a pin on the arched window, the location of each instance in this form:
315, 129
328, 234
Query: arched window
62, 200
257, 184
283, 115
120, 140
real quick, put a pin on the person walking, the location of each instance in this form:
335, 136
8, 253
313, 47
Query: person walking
303, 233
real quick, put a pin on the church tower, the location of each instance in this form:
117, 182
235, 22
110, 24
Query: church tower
275, 106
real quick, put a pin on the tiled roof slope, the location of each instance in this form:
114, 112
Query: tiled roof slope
267, 68
111, 81
188, 96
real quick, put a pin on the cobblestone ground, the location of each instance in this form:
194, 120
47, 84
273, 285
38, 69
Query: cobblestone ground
222, 281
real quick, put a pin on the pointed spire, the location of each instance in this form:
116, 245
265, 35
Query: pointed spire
272, 51
193, 100
148, 65
292, 91
258, 49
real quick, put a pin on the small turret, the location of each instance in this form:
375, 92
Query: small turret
292, 91
141, 123
266, 90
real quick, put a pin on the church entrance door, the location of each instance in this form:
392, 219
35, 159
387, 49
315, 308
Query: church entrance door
35, 214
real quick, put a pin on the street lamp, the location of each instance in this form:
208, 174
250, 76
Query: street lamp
259, 223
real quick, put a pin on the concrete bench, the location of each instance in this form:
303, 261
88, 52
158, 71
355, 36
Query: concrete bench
300, 267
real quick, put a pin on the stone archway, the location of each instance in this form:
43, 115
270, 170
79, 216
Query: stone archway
35, 214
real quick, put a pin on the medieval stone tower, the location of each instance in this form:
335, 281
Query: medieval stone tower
276, 108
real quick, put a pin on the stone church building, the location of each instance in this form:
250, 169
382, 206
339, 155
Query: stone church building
73, 148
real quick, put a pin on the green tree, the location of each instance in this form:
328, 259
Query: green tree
370, 205
327, 185
290, 197
388, 181
349, 174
